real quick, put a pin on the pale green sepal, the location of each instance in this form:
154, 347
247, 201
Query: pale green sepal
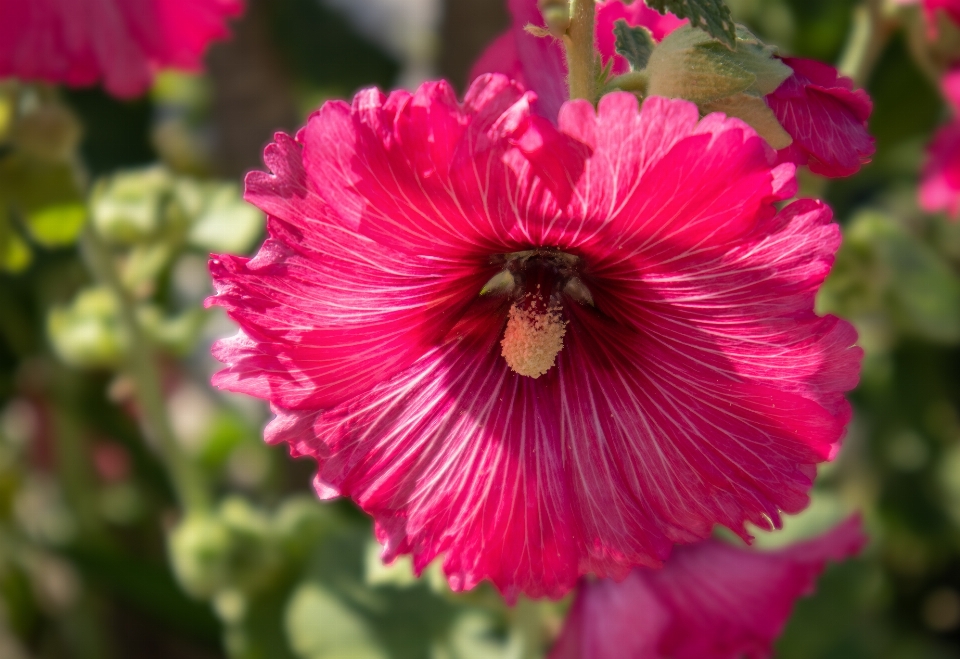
688, 64
685, 65
755, 111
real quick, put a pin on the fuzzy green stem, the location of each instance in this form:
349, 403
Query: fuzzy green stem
188, 481
580, 42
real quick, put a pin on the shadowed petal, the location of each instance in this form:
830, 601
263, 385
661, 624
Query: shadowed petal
826, 117
711, 601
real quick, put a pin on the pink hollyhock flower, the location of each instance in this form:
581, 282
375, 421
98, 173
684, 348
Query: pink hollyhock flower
120, 42
711, 601
825, 116
539, 351
821, 111
940, 181
539, 63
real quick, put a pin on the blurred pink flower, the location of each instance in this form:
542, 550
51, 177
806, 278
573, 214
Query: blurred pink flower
122, 43
820, 110
711, 601
940, 181
932, 9
825, 116
539, 351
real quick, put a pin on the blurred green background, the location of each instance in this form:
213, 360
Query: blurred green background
96, 560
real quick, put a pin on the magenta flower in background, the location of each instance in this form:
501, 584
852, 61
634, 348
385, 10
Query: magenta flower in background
932, 10
540, 351
821, 111
711, 601
121, 43
940, 181
825, 116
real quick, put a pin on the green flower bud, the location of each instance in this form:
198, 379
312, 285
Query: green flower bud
556, 16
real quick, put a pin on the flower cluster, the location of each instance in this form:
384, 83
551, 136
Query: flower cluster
819, 109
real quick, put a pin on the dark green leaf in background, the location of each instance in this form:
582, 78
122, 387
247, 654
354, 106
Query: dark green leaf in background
711, 16
636, 44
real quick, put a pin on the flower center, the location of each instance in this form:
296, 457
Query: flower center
534, 335
538, 281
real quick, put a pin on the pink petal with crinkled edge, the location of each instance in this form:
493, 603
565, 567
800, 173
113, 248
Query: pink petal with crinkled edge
748, 308
121, 42
421, 173
320, 328
710, 601
660, 418
940, 182
637, 14
826, 117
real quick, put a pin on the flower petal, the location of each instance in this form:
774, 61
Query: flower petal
711, 601
745, 311
826, 117
419, 173
320, 328
940, 182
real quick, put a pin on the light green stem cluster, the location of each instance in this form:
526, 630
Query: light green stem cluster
188, 481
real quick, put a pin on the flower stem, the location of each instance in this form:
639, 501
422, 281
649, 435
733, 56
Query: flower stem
871, 30
188, 482
580, 43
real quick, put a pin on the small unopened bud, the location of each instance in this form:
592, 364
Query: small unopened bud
556, 16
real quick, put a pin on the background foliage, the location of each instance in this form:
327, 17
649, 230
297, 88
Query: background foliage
95, 560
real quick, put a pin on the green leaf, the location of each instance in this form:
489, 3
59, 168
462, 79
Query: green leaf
57, 225
43, 195
711, 16
636, 44
15, 254
320, 626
